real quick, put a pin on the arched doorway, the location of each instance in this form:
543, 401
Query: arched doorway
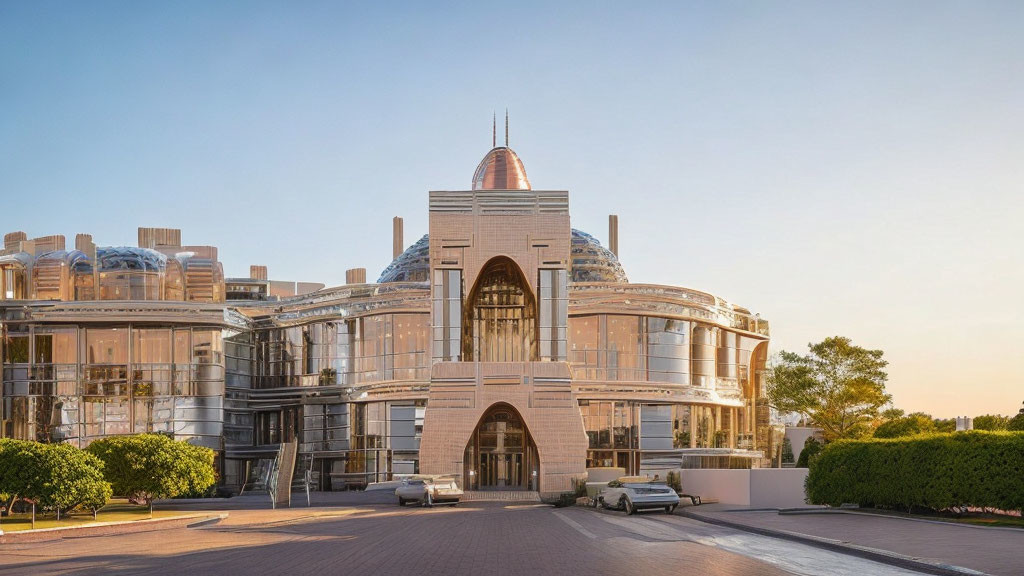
500, 317
501, 454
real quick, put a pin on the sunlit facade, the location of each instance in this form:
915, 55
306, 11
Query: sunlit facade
504, 346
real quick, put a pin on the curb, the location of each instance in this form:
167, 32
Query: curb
874, 554
855, 512
109, 528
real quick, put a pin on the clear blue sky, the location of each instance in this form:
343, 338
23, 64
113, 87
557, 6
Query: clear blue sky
842, 168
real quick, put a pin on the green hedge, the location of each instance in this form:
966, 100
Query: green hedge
938, 471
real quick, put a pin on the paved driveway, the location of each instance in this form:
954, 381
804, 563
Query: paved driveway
474, 538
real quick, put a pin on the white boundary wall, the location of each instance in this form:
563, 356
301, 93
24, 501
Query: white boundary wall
757, 488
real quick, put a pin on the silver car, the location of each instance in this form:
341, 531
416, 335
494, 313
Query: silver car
632, 496
428, 491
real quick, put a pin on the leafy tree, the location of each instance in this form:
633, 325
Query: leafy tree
839, 386
811, 448
146, 467
54, 476
945, 425
787, 451
1016, 423
892, 414
991, 422
909, 425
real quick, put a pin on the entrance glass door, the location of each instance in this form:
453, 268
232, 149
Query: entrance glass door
501, 453
501, 470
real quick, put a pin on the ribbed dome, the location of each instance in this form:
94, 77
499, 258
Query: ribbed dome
591, 262
501, 169
413, 265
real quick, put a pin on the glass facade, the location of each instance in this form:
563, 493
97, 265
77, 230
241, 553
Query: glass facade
73, 384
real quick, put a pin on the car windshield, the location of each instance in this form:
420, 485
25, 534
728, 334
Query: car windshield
414, 482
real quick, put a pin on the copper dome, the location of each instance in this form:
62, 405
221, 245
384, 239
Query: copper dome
501, 169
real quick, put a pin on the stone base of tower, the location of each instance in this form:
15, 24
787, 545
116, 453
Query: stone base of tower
461, 393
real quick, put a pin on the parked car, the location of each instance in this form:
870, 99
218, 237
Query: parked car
429, 490
638, 494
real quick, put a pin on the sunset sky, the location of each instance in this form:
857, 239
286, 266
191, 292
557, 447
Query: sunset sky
851, 168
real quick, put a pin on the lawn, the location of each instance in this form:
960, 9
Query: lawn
115, 511
976, 518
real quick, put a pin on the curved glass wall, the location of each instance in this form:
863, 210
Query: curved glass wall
641, 437
14, 279
118, 273
129, 273
374, 348
622, 347
72, 384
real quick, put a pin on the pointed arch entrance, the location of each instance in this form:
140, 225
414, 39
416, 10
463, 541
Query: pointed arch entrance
499, 323
501, 454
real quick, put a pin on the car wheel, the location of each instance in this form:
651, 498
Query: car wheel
670, 508
428, 501
401, 501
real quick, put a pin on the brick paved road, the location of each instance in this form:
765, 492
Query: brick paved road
475, 538
990, 550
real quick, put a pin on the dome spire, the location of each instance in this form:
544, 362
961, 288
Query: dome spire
506, 127
494, 129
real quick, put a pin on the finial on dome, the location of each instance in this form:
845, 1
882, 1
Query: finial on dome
494, 129
506, 127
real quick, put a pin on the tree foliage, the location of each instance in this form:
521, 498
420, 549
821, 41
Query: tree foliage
811, 449
787, 451
1016, 423
909, 425
54, 476
991, 422
146, 467
839, 386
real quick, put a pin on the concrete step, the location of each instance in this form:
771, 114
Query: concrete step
501, 496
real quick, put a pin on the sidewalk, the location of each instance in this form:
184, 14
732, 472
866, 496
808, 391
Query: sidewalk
996, 551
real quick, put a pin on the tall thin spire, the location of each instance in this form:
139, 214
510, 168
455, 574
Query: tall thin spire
494, 130
506, 127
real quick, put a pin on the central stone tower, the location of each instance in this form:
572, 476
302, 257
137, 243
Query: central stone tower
500, 408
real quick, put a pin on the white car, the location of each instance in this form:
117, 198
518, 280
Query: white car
428, 491
632, 495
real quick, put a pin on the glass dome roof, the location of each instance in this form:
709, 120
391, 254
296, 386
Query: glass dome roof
591, 262
413, 265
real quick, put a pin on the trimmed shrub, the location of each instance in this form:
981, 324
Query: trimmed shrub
811, 448
146, 467
54, 476
935, 472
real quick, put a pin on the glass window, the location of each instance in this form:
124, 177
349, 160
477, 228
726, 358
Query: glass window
16, 349
182, 347
623, 350
681, 435
500, 323
107, 346
151, 346
584, 341
207, 347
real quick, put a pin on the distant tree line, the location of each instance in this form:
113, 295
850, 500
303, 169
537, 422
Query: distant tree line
840, 387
